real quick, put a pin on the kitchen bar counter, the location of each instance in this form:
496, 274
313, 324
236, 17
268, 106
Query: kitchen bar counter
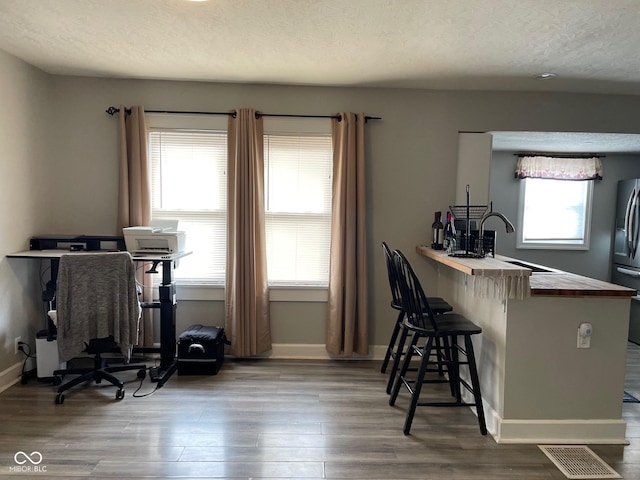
551, 282
537, 385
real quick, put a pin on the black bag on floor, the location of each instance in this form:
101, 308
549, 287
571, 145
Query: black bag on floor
201, 350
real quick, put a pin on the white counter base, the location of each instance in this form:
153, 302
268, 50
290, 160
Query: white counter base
537, 386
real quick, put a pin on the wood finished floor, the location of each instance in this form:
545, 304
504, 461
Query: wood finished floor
270, 419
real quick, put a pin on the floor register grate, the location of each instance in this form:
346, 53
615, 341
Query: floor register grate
578, 461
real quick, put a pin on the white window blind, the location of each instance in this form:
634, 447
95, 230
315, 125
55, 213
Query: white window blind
298, 176
189, 183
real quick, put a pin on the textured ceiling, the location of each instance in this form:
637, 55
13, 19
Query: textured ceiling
451, 44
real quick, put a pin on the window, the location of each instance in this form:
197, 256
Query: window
189, 183
298, 172
554, 214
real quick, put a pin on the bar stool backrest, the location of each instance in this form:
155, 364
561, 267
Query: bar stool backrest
396, 301
414, 301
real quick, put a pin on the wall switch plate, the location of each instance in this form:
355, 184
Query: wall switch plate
16, 344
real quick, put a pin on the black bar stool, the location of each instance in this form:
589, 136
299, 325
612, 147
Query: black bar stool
395, 349
432, 328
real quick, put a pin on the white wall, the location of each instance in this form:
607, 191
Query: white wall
25, 194
412, 156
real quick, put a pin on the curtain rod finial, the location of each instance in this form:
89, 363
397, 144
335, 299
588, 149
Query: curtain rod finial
112, 111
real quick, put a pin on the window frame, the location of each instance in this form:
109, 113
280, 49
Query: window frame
522, 244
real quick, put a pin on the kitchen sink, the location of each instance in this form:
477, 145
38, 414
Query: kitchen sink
533, 268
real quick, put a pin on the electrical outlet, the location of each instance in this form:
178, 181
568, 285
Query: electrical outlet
584, 335
16, 344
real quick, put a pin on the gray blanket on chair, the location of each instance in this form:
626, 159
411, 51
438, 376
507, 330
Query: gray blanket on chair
96, 297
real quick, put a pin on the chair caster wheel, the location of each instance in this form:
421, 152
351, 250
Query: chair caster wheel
59, 399
142, 373
57, 380
120, 394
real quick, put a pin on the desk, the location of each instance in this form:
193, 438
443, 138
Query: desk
166, 303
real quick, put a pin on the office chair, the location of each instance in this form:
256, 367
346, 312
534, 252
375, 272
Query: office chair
97, 312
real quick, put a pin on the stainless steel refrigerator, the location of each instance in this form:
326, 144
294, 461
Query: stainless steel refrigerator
626, 253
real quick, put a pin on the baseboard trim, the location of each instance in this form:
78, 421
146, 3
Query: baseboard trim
305, 351
581, 432
548, 431
10, 376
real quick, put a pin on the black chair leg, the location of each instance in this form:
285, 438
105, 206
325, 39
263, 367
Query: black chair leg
396, 360
439, 356
454, 373
97, 374
401, 377
447, 360
475, 384
102, 375
76, 381
392, 342
422, 370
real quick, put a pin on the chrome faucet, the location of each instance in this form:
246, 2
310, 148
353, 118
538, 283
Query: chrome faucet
485, 217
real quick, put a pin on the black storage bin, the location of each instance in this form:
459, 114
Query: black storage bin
201, 350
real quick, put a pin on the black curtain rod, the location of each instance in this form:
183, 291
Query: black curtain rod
558, 155
113, 110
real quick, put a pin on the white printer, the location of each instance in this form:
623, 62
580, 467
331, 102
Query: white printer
154, 239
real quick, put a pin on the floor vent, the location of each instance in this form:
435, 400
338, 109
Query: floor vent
578, 461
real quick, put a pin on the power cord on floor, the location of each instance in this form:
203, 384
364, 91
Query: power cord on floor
25, 348
135, 394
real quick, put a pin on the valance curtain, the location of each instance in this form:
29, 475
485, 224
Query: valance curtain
347, 316
134, 197
247, 321
558, 168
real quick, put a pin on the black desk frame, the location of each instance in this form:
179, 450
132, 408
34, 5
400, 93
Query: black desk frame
167, 306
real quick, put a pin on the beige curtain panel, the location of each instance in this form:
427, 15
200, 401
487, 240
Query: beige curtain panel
347, 315
247, 323
134, 202
134, 199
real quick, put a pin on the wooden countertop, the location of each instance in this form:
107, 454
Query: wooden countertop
552, 283
488, 267
567, 284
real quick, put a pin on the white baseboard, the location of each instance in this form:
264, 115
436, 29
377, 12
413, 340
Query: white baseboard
548, 431
10, 376
581, 432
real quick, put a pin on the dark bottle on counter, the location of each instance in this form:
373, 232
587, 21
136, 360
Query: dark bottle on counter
438, 230
449, 234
